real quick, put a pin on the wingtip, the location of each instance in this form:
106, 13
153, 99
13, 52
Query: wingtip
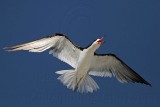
147, 83
9, 49
6, 48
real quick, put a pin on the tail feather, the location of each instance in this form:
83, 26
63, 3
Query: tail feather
68, 79
88, 85
84, 85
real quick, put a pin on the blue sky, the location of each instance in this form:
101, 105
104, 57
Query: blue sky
131, 29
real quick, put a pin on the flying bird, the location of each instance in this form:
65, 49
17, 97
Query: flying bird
85, 62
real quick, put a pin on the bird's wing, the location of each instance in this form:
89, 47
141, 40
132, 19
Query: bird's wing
106, 65
60, 46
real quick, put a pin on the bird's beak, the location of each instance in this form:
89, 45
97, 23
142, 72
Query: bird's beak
100, 40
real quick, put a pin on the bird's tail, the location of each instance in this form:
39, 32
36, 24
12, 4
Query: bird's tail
84, 85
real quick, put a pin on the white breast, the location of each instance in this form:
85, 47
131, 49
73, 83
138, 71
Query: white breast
84, 62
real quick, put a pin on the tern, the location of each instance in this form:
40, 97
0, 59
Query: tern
85, 62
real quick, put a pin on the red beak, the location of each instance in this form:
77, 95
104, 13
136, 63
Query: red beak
100, 40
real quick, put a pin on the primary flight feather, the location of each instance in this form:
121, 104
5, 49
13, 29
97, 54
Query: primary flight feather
85, 62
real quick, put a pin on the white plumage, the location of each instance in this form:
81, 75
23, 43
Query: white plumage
84, 61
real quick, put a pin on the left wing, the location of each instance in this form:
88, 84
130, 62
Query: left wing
108, 65
60, 46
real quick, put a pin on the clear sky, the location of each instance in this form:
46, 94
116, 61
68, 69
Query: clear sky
132, 32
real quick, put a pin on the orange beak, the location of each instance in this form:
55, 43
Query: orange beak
100, 40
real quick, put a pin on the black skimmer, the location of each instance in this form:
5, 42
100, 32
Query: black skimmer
85, 62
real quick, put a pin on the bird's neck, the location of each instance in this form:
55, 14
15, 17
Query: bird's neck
92, 48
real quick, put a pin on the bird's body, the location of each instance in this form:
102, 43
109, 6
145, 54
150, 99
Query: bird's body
85, 62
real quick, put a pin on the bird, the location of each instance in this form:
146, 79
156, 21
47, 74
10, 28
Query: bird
85, 62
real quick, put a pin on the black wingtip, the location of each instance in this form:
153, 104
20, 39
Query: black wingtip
147, 83
144, 82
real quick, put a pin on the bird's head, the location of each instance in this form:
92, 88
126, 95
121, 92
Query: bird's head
99, 41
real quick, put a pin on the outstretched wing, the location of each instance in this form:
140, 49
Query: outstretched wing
60, 46
109, 64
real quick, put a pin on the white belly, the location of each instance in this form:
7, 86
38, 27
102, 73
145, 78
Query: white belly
84, 63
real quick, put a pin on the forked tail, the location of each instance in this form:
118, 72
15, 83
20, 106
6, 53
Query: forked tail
84, 85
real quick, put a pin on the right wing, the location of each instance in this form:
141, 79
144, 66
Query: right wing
108, 64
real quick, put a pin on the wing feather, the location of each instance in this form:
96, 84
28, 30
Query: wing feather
60, 46
109, 64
